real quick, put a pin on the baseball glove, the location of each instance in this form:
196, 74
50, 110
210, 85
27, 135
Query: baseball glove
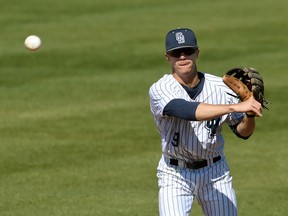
245, 82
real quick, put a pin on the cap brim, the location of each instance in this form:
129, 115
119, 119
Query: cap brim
179, 47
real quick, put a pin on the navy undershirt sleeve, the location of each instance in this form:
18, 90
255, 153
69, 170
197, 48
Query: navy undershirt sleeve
181, 108
234, 129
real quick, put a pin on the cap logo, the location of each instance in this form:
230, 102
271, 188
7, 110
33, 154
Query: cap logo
180, 37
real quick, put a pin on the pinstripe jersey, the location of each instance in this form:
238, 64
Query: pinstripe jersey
191, 140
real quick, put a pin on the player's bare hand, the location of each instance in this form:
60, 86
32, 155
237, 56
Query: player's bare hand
250, 106
254, 106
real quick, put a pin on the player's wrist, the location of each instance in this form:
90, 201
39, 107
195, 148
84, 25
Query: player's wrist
250, 114
233, 108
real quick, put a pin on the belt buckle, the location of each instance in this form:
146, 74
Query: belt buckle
196, 164
202, 163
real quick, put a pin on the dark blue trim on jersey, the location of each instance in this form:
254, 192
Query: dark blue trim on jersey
181, 108
194, 92
234, 129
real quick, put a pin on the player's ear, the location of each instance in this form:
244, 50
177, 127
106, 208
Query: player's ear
166, 56
197, 52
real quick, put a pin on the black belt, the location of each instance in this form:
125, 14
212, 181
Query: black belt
195, 164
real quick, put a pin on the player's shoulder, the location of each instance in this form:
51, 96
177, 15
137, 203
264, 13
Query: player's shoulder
217, 83
214, 80
163, 82
166, 78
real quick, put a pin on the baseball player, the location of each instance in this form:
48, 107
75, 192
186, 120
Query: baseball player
189, 108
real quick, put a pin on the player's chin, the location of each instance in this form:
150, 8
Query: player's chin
185, 68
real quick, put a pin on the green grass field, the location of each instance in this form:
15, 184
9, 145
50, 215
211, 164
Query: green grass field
76, 133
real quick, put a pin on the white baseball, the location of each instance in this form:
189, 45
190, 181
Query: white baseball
32, 42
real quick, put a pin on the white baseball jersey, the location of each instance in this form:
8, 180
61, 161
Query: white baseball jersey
191, 140
185, 140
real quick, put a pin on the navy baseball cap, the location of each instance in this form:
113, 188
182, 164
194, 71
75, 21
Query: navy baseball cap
180, 38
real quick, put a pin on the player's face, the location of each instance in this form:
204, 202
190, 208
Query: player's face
183, 60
